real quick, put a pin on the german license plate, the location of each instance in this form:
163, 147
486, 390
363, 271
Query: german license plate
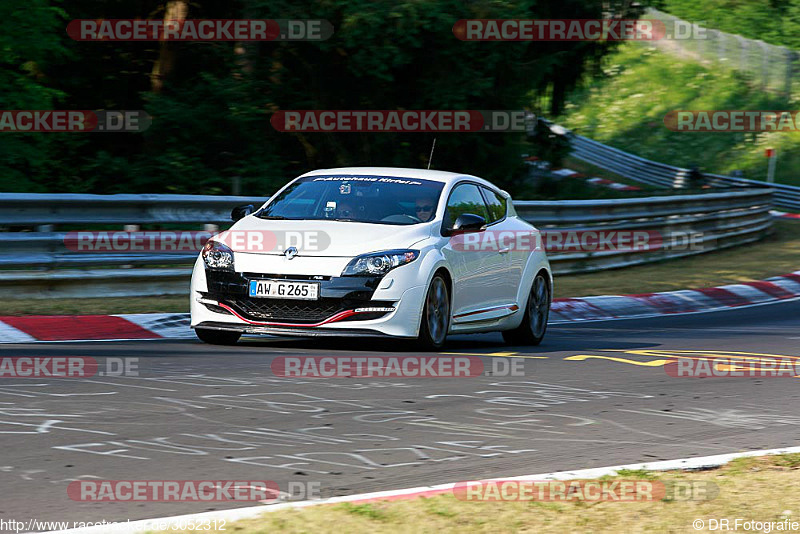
282, 289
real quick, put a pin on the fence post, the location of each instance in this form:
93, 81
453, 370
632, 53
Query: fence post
764, 64
742, 53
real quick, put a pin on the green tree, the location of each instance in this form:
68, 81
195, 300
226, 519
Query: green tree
31, 42
211, 102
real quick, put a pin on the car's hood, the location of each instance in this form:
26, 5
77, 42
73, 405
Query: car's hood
320, 238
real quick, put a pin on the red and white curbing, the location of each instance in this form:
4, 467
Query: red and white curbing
569, 173
613, 185
784, 215
681, 302
142, 326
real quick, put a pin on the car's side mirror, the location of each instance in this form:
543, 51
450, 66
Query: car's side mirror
466, 223
240, 212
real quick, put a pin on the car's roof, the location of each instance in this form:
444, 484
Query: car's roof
398, 172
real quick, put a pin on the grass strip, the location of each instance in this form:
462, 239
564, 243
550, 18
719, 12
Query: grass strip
753, 489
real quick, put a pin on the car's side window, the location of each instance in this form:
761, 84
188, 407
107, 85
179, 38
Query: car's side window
496, 204
465, 198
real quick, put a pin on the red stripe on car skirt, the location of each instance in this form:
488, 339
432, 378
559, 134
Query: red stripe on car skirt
513, 307
333, 318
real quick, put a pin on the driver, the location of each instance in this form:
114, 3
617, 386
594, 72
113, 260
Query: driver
425, 208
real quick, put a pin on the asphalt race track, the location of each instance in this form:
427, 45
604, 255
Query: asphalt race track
594, 394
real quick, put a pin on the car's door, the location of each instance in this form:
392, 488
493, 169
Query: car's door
511, 243
477, 272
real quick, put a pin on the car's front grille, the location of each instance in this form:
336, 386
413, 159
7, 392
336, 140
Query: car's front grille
336, 295
296, 311
300, 311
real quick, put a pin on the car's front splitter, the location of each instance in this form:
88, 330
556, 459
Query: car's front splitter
294, 332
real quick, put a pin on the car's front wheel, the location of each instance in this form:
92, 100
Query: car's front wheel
217, 337
435, 316
537, 310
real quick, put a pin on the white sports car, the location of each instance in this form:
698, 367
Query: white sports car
369, 251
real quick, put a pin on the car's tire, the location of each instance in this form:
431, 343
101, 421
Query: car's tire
537, 310
217, 337
435, 320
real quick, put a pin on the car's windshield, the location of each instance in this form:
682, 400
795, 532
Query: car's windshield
370, 199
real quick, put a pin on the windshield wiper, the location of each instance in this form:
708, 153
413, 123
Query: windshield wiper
272, 217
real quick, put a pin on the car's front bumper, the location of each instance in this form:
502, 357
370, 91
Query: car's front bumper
347, 306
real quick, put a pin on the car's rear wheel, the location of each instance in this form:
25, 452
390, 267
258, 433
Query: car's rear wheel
435, 316
537, 310
217, 337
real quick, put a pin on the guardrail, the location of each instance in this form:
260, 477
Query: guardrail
38, 264
30, 209
659, 174
685, 225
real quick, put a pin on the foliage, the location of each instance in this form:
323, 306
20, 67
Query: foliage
626, 108
211, 116
30, 45
773, 21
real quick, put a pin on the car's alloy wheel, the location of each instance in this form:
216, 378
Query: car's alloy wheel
539, 307
435, 315
217, 337
537, 310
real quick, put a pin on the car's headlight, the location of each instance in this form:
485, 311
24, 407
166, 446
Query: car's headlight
378, 263
217, 256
